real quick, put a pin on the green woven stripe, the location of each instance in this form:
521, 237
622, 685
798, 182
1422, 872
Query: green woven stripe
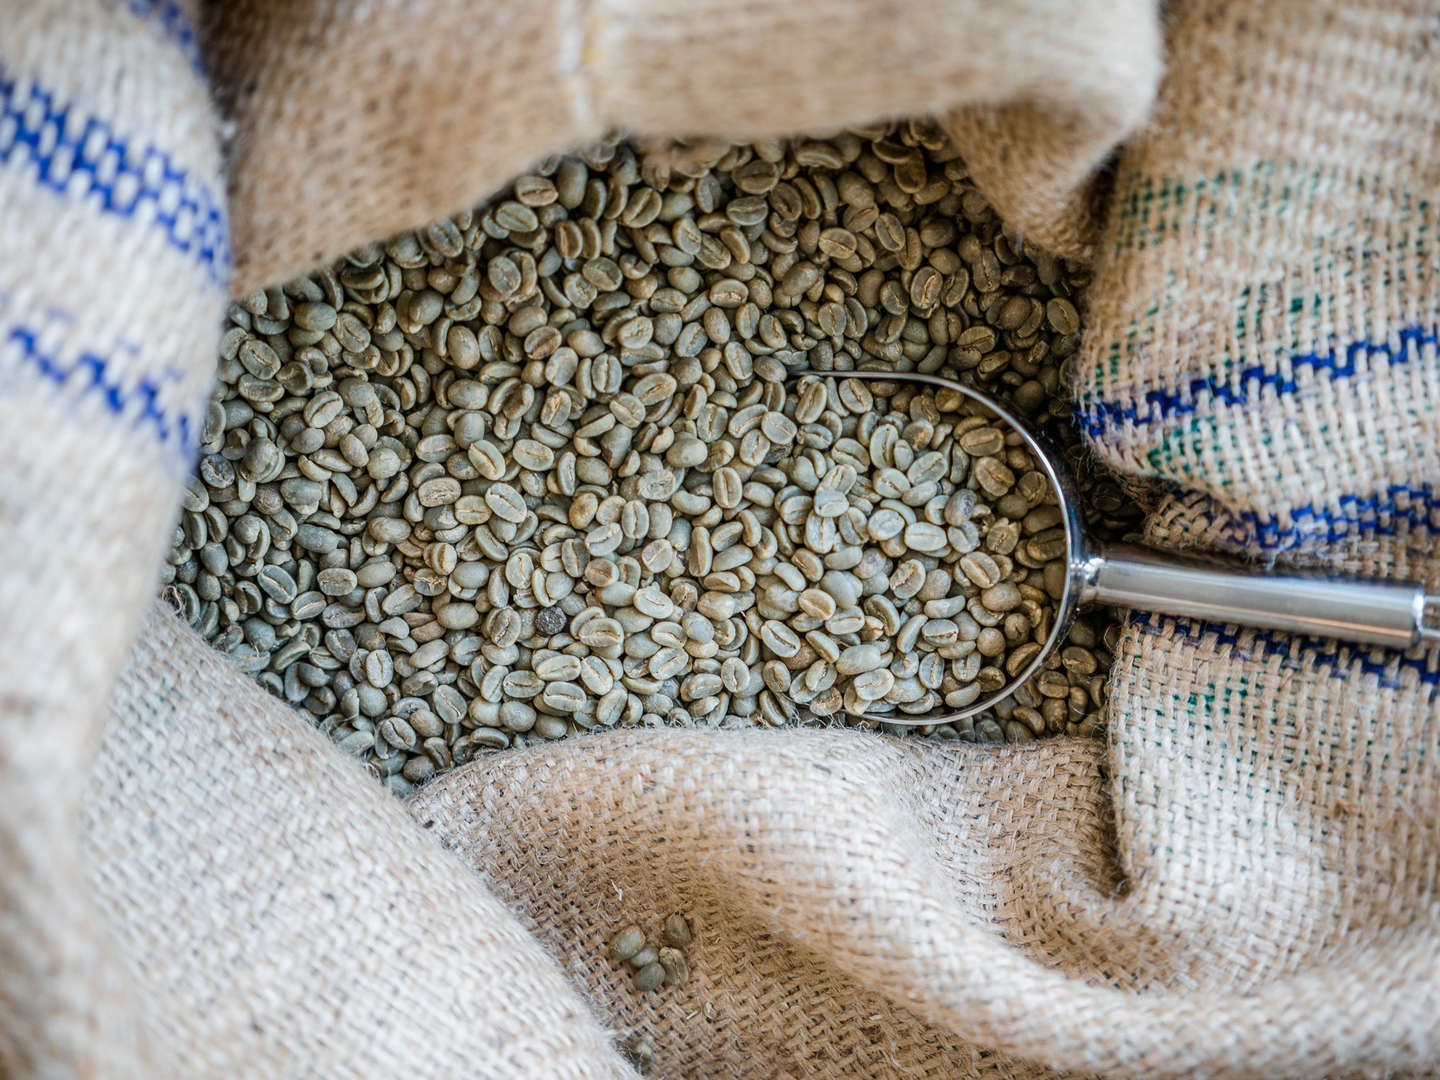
1150, 210
1193, 454
1153, 209
1117, 367
1250, 202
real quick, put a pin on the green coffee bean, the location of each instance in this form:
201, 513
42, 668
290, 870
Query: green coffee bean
626, 943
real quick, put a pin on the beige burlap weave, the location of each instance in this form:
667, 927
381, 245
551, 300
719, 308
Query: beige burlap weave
1242, 883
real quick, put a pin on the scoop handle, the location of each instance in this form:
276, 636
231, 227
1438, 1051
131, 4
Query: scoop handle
1363, 610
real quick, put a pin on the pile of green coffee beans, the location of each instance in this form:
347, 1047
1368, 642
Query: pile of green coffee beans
652, 967
546, 467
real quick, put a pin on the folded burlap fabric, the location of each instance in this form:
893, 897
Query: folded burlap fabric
1241, 882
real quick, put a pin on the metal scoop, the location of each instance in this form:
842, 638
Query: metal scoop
1367, 611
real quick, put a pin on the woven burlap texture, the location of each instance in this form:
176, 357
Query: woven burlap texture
92, 395
353, 121
1241, 883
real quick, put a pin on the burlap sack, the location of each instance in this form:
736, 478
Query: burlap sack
1243, 883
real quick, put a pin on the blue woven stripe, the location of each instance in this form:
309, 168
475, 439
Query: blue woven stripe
173, 21
1338, 661
1097, 416
93, 376
82, 157
1379, 514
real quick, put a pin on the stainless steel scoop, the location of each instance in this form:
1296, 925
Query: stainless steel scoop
1367, 611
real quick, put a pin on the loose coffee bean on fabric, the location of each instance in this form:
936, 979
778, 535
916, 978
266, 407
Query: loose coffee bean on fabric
541, 468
